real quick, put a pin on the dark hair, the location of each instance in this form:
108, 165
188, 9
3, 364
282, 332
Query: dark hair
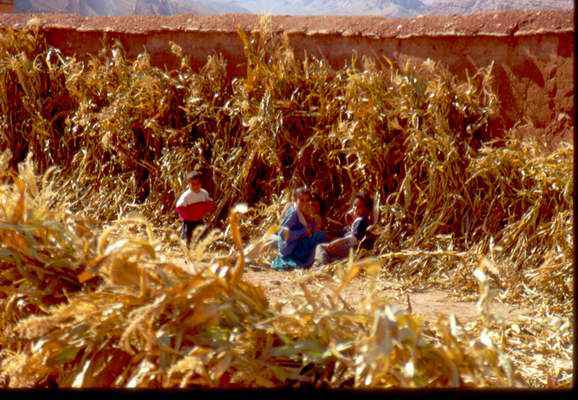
193, 175
367, 202
300, 191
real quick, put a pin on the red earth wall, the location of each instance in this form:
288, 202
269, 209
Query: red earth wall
532, 52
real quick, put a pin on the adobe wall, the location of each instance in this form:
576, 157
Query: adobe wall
532, 52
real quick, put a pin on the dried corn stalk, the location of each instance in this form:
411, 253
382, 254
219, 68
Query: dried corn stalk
122, 133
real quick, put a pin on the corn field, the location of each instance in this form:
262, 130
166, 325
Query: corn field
96, 290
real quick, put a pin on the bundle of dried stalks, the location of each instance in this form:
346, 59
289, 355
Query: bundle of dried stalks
152, 323
42, 248
124, 124
514, 207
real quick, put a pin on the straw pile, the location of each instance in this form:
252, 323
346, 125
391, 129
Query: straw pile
90, 296
151, 323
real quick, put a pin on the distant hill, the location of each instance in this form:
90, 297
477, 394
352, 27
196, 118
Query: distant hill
335, 7
82, 7
128, 7
389, 8
462, 7
393, 8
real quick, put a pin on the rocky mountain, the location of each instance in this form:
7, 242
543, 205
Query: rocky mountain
82, 7
461, 7
390, 8
393, 8
128, 7
334, 7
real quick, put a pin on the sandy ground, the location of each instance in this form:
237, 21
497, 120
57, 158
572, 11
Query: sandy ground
427, 303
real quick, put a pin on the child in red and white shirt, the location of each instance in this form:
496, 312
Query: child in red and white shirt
193, 205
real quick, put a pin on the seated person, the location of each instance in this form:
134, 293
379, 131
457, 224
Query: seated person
358, 220
297, 236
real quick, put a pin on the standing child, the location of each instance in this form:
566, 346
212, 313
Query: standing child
358, 220
193, 205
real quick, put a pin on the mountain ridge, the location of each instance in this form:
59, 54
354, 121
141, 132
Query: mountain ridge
385, 8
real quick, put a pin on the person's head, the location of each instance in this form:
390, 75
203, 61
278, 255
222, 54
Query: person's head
315, 204
302, 197
361, 205
194, 181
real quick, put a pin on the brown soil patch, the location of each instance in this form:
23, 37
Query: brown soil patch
281, 286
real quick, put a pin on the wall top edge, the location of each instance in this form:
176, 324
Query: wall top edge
512, 23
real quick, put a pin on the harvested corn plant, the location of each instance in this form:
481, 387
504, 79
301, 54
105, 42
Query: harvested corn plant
152, 323
96, 290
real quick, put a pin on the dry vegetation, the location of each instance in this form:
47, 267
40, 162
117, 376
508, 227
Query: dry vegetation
93, 155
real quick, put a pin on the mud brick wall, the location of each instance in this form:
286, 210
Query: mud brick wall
532, 52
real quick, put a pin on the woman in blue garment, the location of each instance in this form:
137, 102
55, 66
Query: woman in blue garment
297, 235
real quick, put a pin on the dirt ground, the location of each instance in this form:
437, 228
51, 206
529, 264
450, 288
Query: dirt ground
426, 303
